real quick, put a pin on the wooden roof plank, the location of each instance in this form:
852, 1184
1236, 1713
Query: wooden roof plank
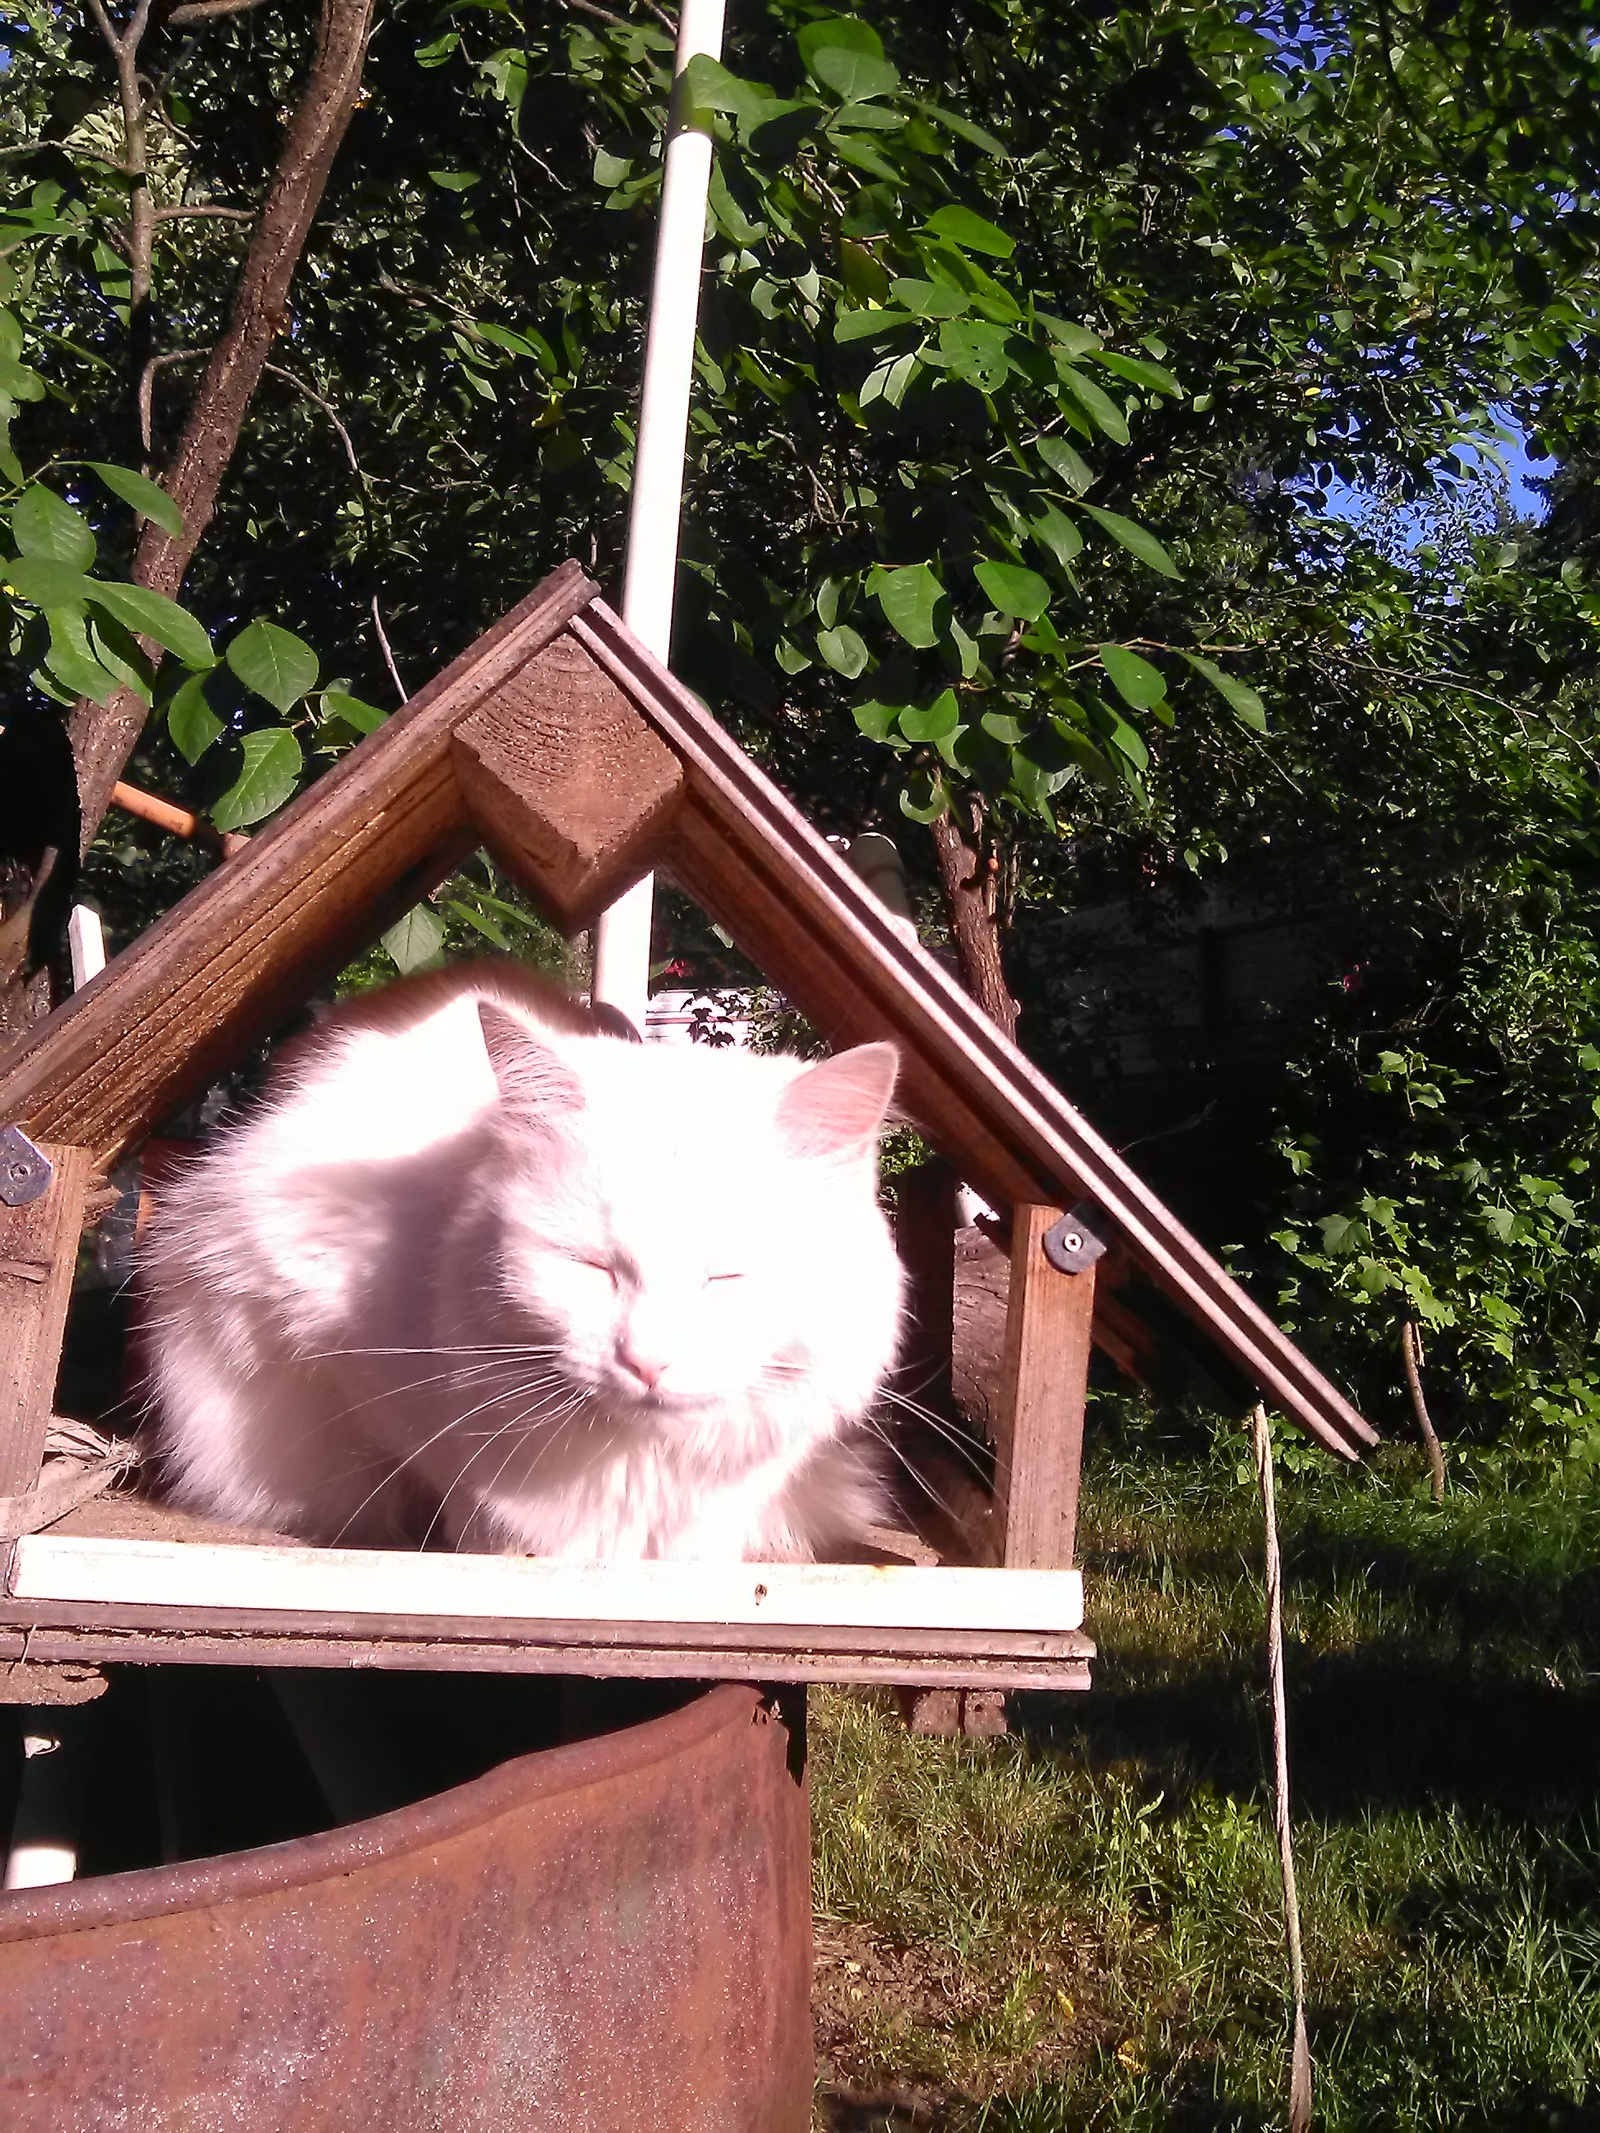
213, 976
877, 983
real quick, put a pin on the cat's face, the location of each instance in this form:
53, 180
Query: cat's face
692, 1229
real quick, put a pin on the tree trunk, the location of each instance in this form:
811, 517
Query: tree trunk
104, 738
970, 873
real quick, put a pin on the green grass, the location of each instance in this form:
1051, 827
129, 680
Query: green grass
1080, 1927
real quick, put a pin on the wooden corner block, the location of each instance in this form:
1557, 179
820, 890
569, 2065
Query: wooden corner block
1045, 1379
38, 1257
567, 782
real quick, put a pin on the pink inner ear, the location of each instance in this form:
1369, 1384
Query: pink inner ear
530, 1076
838, 1107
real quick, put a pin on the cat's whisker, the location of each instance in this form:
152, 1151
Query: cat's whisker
519, 1425
916, 1473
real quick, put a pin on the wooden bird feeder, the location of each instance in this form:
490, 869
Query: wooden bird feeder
559, 743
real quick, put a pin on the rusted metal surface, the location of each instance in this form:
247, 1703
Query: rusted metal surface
615, 1934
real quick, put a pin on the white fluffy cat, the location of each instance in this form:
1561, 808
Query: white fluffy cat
477, 1276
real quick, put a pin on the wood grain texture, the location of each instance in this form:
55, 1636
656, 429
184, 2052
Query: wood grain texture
925, 1238
38, 1256
1045, 1379
740, 848
89, 1643
566, 781
192, 994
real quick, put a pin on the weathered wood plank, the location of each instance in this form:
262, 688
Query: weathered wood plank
925, 1238
739, 846
193, 993
75, 1569
1039, 1455
566, 780
1065, 1666
38, 1256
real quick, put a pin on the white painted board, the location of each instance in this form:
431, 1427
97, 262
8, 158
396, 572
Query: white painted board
350, 1581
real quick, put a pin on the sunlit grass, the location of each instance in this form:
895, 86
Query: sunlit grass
1079, 1927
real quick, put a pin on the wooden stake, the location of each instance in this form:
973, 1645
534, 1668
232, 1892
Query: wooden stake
38, 1256
1039, 1448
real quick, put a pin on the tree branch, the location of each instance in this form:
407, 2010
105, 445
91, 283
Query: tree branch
209, 10
188, 214
103, 739
327, 408
147, 387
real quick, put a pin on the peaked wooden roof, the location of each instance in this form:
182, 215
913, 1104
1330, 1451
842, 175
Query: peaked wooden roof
559, 742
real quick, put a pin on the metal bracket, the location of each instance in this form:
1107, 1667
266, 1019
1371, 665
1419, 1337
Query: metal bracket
25, 1171
1071, 1245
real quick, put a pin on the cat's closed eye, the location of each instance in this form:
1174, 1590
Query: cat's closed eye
736, 1275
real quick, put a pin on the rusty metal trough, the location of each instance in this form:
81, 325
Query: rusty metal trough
616, 1933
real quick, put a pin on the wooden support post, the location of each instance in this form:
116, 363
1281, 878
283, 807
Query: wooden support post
1039, 1453
925, 1237
38, 1256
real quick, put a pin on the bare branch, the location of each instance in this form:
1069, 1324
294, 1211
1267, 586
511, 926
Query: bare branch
387, 651
599, 14
187, 214
327, 408
147, 386
104, 737
209, 10
69, 148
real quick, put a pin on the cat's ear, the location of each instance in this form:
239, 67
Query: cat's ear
837, 1108
533, 1080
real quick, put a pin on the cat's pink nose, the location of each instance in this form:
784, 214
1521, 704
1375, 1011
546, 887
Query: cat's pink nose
646, 1368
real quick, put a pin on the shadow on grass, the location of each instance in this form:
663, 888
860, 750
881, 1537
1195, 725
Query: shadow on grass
1369, 1730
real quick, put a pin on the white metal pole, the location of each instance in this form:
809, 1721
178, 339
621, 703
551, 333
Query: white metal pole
622, 934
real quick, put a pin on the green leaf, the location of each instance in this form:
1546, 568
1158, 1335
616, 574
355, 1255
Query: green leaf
1135, 680
1136, 539
191, 721
959, 225
1066, 463
46, 526
272, 767
965, 130
710, 86
1137, 372
1240, 698
843, 650
931, 299
43, 582
1072, 339
416, 940
365, 718
976, 352
152, 614
72, 661
1103, 412
908, 597
1058, 534
455, 181
118, 650
877, 721
853, 76
147, 497
274, 663
924, 800
19, 382
867, 325
934, 721
1001, 726
481, 922
1014, 590
846, 56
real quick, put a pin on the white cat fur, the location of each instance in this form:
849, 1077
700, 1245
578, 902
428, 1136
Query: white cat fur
596, 1299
